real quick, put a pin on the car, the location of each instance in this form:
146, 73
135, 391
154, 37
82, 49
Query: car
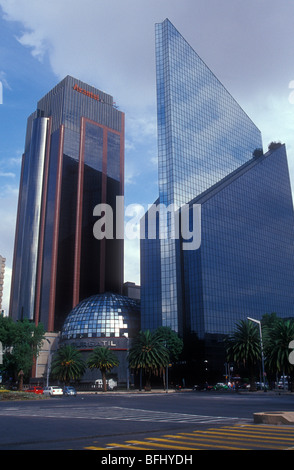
261, 386
37, 390
283, 382
53, 391
69, 391
282, 385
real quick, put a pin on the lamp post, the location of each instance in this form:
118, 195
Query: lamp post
48, 362
206, 370
166, 374
126, 335
261, 348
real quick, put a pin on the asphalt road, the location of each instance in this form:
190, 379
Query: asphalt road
143, 420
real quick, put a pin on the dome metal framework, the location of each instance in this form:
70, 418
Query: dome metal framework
102, 316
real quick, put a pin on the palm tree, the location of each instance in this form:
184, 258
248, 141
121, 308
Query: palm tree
104, 360
171, 340
244, 346
67, 364
174, 345
278, 338
148, 352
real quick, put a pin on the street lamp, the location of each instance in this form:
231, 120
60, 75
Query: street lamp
261, 348
166, 373
126, 335
206, 370
48, 362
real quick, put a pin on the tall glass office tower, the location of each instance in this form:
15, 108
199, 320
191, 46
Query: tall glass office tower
209, 153
73, 160
245, 265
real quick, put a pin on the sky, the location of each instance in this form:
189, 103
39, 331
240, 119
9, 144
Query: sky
110, 44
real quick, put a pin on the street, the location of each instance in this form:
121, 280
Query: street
138, 421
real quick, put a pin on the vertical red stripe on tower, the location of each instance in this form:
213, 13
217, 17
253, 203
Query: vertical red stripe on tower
79, 215
56, 233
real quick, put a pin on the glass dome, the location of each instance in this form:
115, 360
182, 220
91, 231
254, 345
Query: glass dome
103, 315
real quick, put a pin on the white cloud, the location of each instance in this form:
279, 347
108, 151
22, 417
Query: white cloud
35, 42
111, 42
132, 254
8, 205
7, 174
274, 115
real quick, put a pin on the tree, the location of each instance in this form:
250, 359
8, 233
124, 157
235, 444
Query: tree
149, 353
174, 345
21, 342
268, 322
258, 152
171, 340
103, 359
274, 145
244, 346
67, 364
278, 337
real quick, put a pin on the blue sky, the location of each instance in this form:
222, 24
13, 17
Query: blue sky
110, 45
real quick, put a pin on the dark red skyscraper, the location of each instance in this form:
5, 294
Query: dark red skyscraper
73, 160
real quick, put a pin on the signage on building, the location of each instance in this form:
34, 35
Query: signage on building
87, 93
92, 343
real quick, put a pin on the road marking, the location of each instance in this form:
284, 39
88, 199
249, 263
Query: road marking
133, 414
237, 437
158, 443
243, 435
216, 438
119, 413
262, 428
94, 448
173, 439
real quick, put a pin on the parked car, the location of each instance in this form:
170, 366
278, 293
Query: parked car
53, 391
38, 390
69, 391
283, 382
261, 386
